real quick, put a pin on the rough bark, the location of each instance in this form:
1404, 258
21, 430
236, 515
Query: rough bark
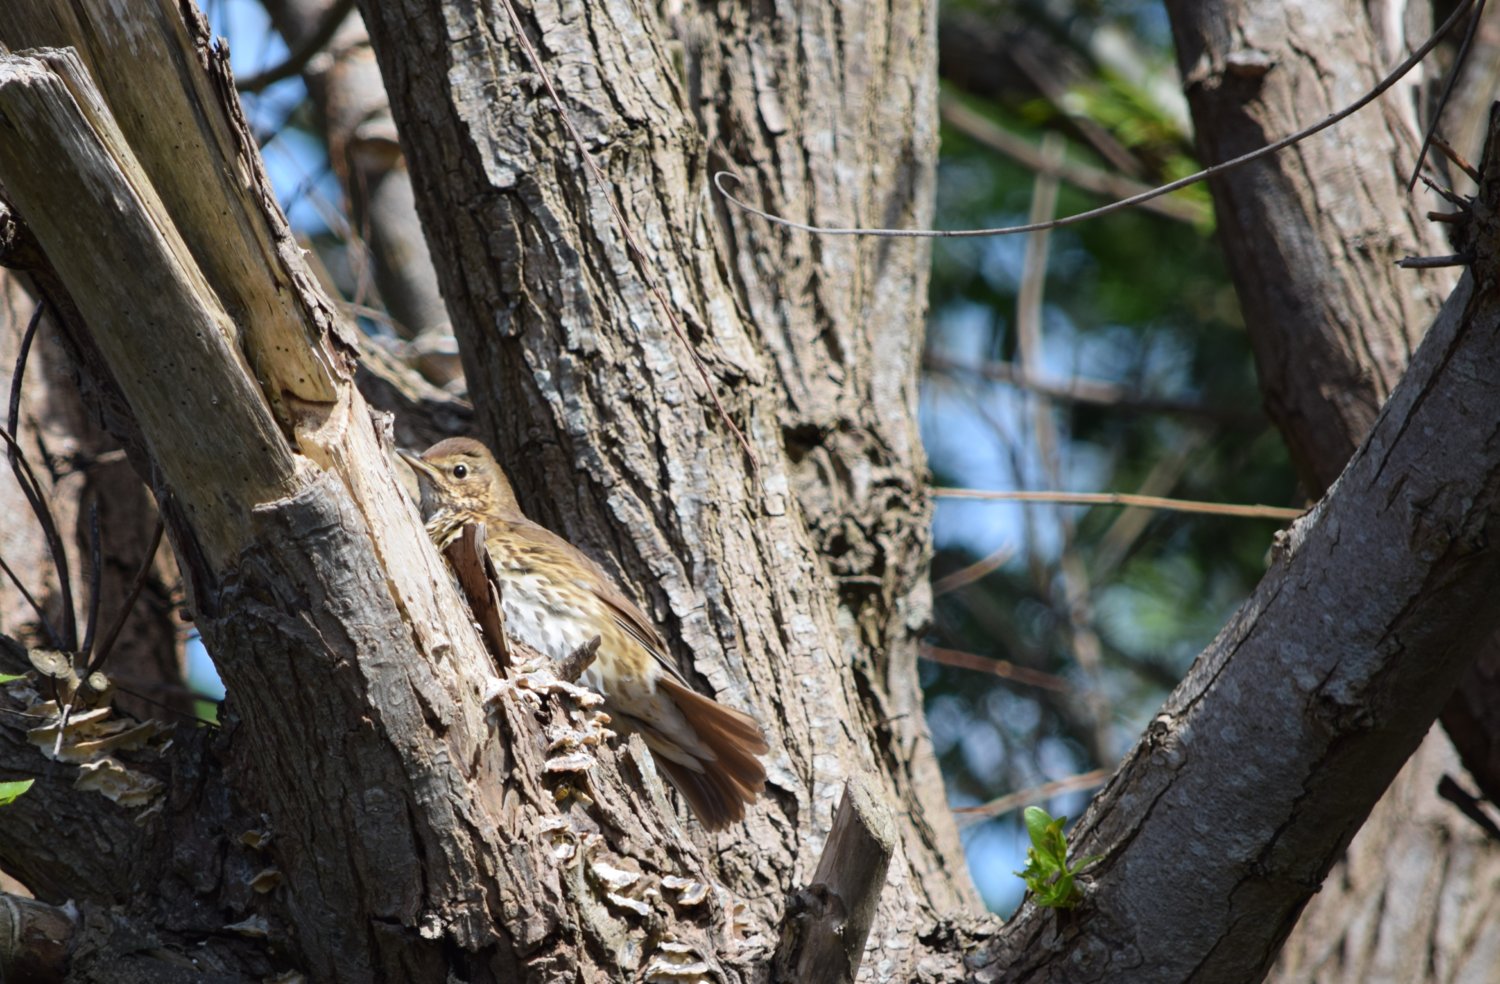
1310, 236
797, 589
325, 615
238, 488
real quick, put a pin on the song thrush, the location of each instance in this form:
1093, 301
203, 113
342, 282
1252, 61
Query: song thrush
555, 599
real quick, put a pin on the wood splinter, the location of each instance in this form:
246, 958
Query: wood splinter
580, 659
824, 929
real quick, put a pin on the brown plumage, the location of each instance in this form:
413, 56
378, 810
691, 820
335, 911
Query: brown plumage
556, 599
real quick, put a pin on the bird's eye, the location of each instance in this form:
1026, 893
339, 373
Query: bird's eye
460, 471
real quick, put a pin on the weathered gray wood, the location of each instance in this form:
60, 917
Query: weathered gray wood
159, 330
827, 923
167, 93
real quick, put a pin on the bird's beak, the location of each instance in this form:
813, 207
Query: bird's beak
415, 462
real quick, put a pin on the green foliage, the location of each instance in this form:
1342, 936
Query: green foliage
8, 677
10, 790
1048, 876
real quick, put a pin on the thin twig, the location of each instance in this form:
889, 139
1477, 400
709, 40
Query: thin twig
32, 489
1454, 157
1074, 607
1468, 804
1037, 794
41, 615
1447, 194
169, 708
1002, 668
1434, 262
136, 585
1091, 392
1125, 499
33, 492
95, 581
1129, 524
96, 578
1096, 180
333, 18
1395, 76
1458, 64
637, 253
1097, 134
13, 418
973, 572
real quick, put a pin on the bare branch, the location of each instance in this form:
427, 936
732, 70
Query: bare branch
32, 489
297, 59
96, 581
977, 127
1434, 262
1036, 794
975, 571
41, 616
1094, 392
1454, 71
1125, 499
997, 667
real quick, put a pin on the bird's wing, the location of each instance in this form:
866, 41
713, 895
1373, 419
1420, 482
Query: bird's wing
626, 613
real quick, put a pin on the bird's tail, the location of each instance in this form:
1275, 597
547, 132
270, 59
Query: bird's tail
719, 788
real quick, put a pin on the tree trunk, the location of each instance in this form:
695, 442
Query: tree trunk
1311, 235
795, 586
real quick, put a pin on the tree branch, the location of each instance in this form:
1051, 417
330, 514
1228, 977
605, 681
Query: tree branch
296, 60
1269, 755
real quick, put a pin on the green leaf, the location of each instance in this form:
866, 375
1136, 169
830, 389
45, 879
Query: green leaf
1047, 874
10, 790
1037, 822
8, 677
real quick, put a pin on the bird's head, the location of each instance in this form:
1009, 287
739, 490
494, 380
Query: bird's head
461, 482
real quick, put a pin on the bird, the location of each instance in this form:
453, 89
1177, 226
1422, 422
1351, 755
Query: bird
556, 599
